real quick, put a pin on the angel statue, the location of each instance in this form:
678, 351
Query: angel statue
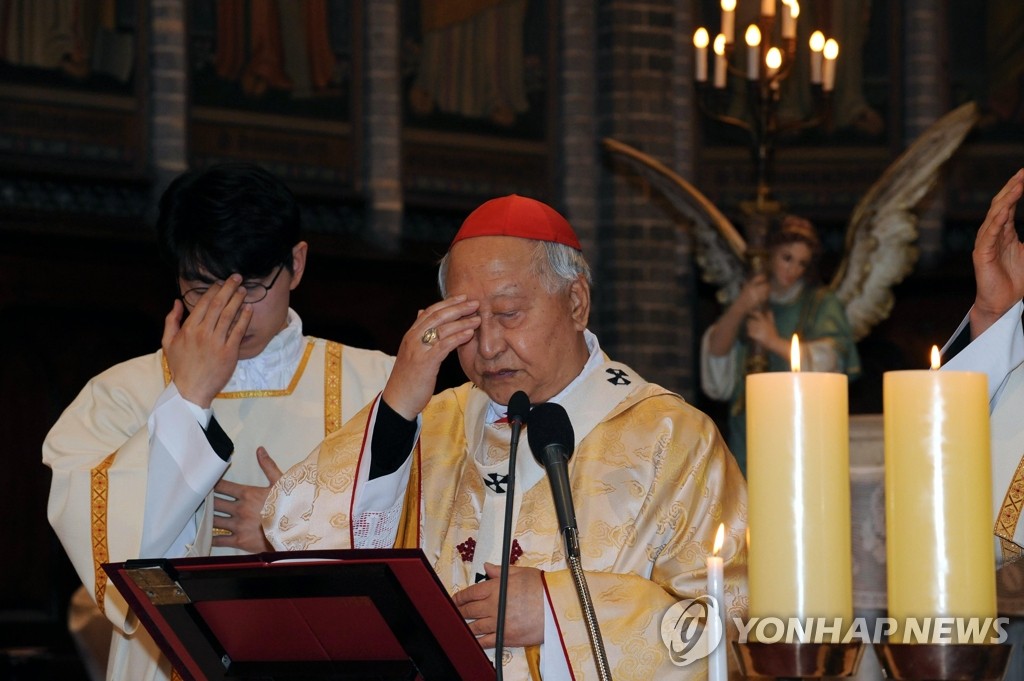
769, 295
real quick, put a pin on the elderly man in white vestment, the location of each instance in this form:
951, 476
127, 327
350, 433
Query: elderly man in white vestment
991, 340
651, 477
171, 454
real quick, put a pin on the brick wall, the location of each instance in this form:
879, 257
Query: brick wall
646, 292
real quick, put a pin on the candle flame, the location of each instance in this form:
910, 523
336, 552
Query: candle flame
794, 9
700, 38
728, 5
794, 353
817, 41
752, 36
719, 539
719, 46
936, 358
774, 58
831, 48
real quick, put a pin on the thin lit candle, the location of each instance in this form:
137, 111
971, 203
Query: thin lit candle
790, 12
753, 40
828, 76
729, 21
773, 60
700, 54
719, 49
817, 44
767, 8
717, 667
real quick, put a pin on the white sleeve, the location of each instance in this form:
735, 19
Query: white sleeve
996, 352
377, 503
553, 665
717, 373
183, 468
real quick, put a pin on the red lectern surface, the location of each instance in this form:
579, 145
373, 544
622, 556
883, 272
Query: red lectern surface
309, 615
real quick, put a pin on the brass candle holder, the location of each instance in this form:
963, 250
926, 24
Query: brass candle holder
943, 661
785, 661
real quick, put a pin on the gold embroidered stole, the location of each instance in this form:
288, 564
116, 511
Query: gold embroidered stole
1009, 516
453, 508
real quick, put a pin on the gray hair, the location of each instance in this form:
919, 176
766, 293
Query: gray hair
558, 266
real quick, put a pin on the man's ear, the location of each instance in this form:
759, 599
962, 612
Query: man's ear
579, 299
298, 262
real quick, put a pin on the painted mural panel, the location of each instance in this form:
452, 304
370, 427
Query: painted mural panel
70, 86
275, 81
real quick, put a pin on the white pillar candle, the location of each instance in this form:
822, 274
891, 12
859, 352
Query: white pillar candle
798, 482
938, 496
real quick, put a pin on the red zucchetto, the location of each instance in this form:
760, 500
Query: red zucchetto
519, 216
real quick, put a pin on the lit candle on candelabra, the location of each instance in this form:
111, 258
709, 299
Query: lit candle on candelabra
729, 20
817, 43
767, 8
798, 477
717, 667
720, 70
753, 40
772, 62
700, 43
828, 75
790, 11
938, 504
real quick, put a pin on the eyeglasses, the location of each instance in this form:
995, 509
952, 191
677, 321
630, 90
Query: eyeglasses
255, 291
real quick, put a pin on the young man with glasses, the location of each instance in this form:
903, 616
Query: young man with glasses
170, 454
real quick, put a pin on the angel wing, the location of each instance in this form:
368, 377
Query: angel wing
720, 248
879, 250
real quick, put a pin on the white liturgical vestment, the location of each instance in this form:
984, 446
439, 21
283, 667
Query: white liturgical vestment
133, 471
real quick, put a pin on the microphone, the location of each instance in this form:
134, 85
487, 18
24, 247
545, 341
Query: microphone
518, 408
552, 441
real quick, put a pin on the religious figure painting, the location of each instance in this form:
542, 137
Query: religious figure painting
292, 58
476, 64
275, 81
480, 73
70, 85
86, 45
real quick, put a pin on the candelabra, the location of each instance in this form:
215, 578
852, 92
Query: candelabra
765, 69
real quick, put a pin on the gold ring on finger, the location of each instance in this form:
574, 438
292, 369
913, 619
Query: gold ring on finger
430, 336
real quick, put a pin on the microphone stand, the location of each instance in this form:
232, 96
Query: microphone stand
506, 549
572, 554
